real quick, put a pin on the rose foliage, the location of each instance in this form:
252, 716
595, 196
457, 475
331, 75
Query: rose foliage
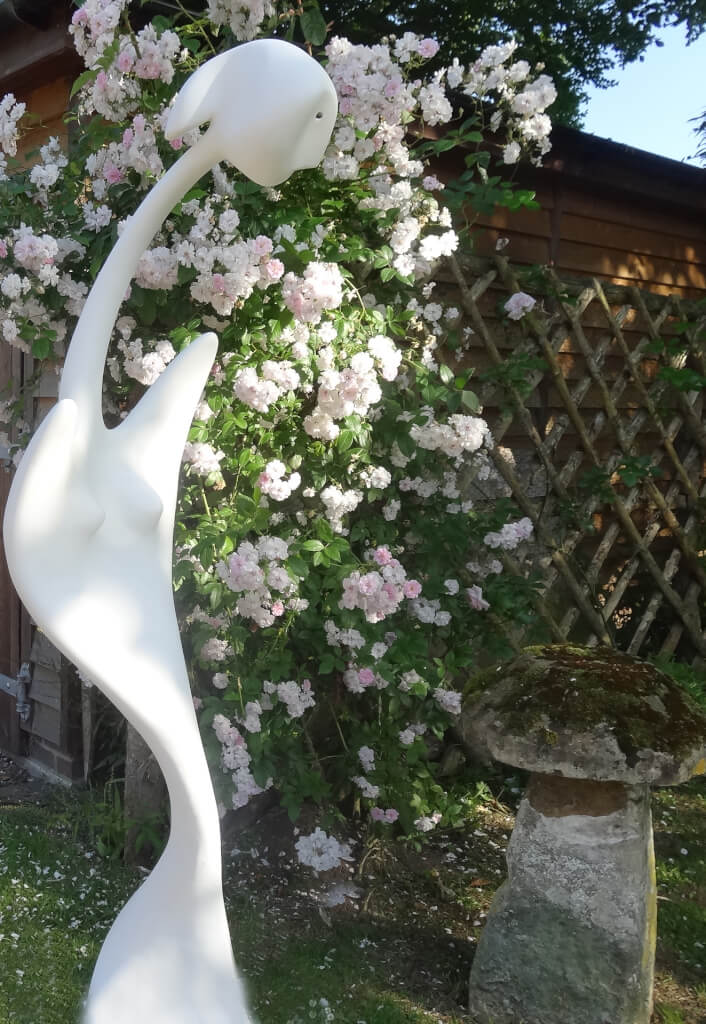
338, 572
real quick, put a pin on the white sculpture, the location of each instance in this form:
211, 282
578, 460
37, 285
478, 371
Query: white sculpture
88, 536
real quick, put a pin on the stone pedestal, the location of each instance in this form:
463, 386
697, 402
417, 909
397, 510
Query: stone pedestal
570, 936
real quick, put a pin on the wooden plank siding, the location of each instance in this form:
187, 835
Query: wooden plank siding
607, 211
31, 57
49, 103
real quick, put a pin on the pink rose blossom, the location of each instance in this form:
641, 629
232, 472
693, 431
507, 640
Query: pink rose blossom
261, 245
391, 815
366, 676
428, 48
476, 599
274, 269
412, 589
177, 142
382, 556
125, 61
277, 608
377, 814
519, 304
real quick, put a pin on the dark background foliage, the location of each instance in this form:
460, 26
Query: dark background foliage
579, 41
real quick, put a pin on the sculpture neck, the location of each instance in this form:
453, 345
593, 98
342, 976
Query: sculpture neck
165, 718
82, 376
195, 827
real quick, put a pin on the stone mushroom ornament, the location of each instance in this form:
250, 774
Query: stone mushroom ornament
570, 936
88, 536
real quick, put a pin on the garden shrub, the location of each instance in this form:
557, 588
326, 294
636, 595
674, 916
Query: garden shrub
334, 578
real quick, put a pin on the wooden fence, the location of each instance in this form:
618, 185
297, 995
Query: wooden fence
595, 400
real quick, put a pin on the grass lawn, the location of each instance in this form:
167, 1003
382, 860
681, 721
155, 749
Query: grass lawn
387, 942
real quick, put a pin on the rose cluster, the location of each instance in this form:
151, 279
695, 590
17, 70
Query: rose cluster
336, 550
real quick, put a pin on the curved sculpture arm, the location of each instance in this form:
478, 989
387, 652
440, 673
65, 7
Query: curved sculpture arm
82, 376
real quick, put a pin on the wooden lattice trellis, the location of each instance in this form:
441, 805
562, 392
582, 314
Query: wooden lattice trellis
621, 558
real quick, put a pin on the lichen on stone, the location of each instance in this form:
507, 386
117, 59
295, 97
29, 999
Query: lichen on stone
562, 689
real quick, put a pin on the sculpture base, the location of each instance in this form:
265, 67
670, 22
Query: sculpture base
167, 959
571, 933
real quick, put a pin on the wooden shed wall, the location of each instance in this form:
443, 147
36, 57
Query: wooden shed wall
582, 235
38, 65
48, 103
609, 211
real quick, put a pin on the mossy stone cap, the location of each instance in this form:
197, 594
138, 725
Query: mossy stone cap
587, 713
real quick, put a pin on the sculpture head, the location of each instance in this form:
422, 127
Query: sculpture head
271, 109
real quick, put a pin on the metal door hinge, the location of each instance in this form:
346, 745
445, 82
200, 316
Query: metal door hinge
19, 689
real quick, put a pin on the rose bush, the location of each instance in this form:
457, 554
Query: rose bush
337, 570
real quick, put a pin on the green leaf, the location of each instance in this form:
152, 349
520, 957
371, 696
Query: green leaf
148, 312
162, 23
83, 79
313, 26
446, 373
41, 347
323, 528
298, 566
442, 145
345, 440
682, 378
470, 400
312, 545
406, 445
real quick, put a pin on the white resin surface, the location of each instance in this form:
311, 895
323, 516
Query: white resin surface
88, 537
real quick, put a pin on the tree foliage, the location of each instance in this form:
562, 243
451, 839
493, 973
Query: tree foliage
579, 41
700, 131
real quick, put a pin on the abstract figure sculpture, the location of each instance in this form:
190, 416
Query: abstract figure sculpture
88, 535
